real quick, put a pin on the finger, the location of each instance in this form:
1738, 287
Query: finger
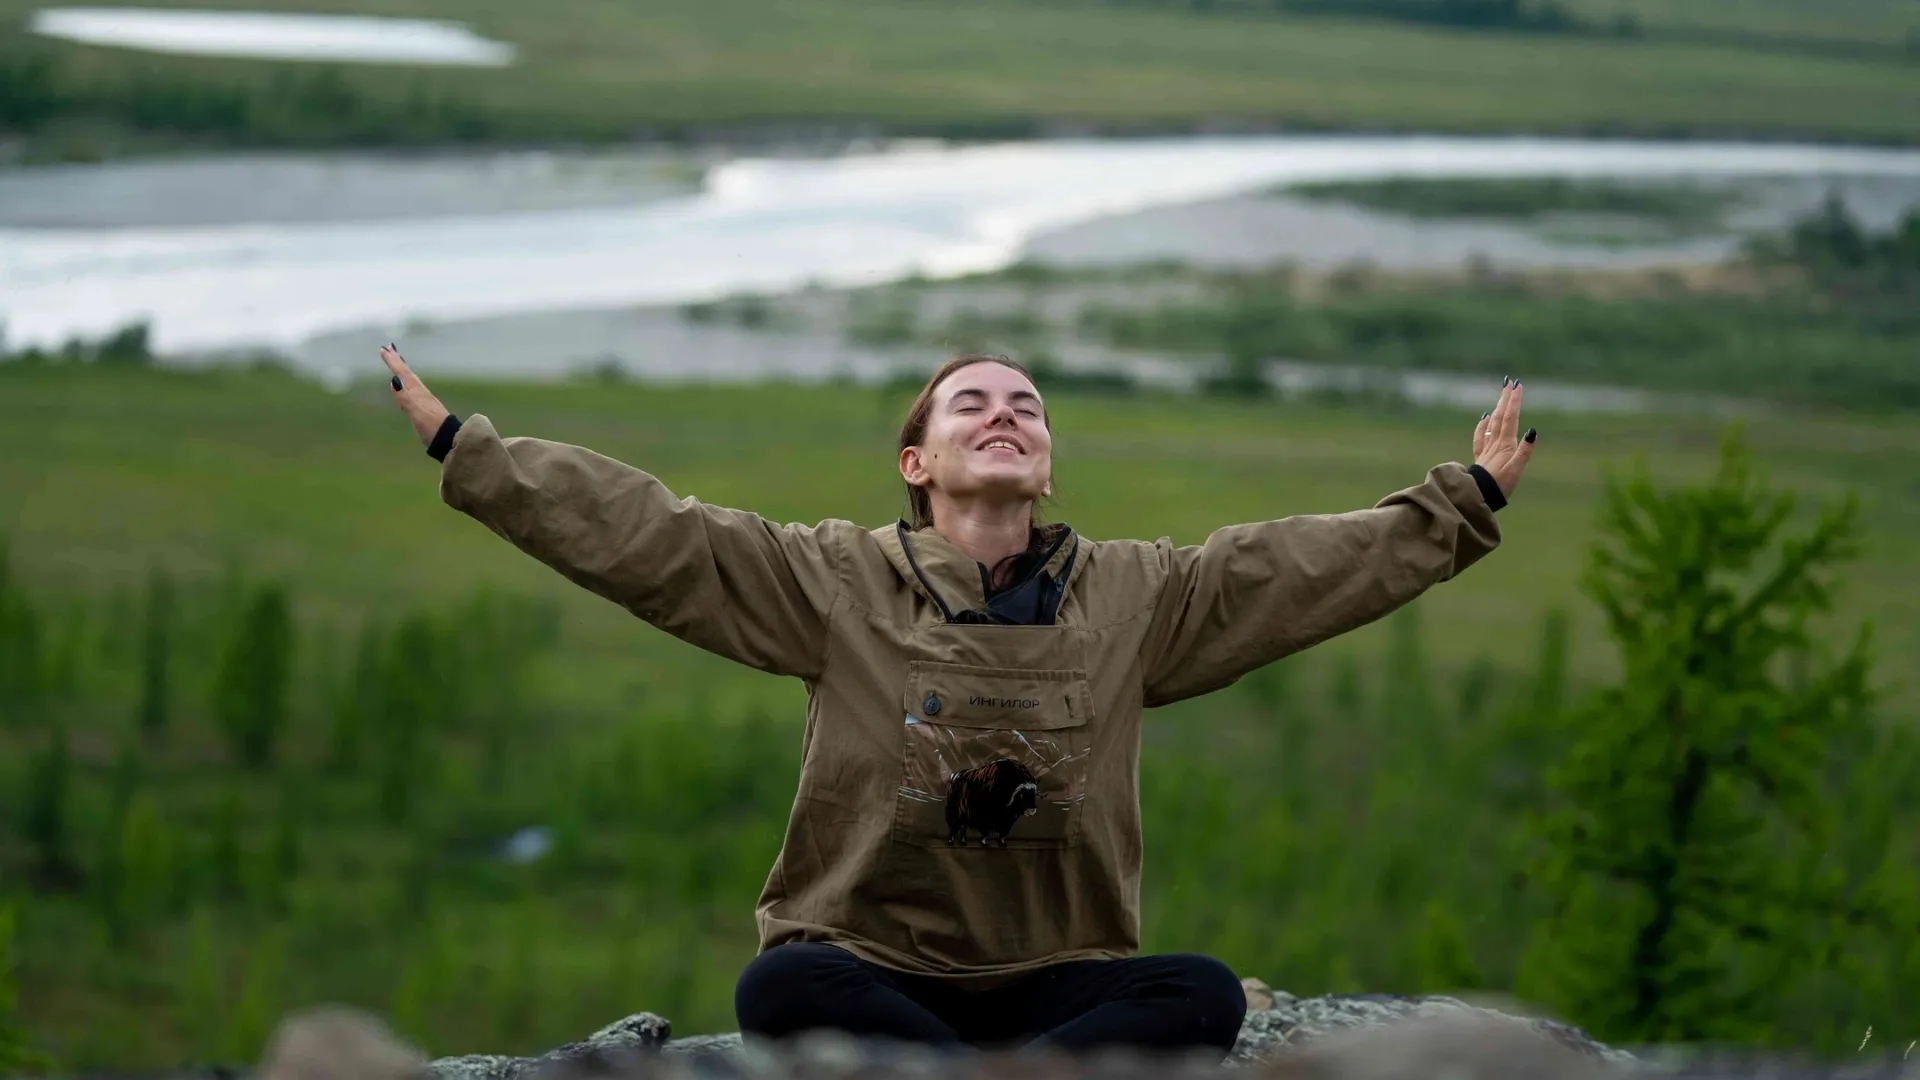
1516, 464
403, 377
1515, 399
1493, 414
1480, 434
1497, 430
390, 355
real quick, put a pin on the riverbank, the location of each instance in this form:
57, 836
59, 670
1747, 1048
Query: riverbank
894, 332
1814, 315
775, 225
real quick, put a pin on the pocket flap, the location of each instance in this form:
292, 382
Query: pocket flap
960, 695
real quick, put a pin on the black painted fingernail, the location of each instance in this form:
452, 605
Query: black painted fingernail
396, 382
1505, 379
1531, 433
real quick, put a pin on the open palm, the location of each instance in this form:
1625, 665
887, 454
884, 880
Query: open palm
1497, 444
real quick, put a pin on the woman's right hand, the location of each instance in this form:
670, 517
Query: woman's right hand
423, 410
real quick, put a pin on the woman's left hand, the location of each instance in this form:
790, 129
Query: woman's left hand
1498, 446
422, 409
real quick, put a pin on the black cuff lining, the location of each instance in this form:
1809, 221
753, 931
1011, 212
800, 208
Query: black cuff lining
1489, 487
443, 439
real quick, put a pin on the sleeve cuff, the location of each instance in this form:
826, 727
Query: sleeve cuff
443, 439
1489, 488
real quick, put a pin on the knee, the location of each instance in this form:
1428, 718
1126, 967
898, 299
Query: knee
774, 995
1216, 1000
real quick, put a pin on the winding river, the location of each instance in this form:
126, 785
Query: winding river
256, 264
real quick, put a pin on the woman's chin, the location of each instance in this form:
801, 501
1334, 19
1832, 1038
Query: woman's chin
1004, 491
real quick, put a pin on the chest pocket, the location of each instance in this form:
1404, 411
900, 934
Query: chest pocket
992, 757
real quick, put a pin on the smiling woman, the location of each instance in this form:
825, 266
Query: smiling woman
948, 700
275, 36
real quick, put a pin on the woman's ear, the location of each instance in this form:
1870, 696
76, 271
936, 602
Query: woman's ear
1046, 491
912, 469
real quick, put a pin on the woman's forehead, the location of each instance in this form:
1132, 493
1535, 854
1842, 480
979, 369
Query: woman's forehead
987, 380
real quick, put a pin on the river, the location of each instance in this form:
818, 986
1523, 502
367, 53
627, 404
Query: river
229, 254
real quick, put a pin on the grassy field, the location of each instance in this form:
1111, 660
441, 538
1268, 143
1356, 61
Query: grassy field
997, 67
1394, 876
111, 471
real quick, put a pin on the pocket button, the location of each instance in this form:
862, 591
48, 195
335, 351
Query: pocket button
931, 706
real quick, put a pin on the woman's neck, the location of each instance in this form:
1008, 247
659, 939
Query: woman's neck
991, 535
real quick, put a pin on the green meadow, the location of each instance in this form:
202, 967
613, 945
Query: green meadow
1349, 819
114, 470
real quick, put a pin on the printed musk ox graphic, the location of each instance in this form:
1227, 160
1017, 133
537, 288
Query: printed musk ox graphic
988, 800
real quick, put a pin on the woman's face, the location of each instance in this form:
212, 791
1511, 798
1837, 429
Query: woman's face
985, 438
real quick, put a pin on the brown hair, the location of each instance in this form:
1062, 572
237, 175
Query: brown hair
919, 505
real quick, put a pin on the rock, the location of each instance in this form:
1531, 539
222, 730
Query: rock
1460, 1044
481, 1067
337, 1043
1719, 1063
704, 1045
832, 1056
1280, 1025
1335, 1037
610, 1048
1296, 1021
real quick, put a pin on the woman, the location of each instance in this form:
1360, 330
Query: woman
962, 863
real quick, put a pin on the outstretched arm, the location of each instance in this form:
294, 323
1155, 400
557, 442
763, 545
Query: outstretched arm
1254, 593
728, 581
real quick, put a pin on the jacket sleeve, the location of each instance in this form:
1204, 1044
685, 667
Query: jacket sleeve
1254, 593
725, 580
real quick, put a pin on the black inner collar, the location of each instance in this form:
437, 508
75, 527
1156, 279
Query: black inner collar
1030, 598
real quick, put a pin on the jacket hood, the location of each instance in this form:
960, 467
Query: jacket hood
956, 583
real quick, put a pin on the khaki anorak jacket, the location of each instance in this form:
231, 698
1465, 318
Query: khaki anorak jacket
920, 724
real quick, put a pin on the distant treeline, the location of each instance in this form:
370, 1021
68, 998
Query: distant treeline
1553, 17
41, 92
1844, 257
128, 345
1535, 16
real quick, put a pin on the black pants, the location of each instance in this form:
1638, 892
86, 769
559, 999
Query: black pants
1178, 1002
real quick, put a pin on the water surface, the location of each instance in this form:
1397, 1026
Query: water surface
762, 224
340, 39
